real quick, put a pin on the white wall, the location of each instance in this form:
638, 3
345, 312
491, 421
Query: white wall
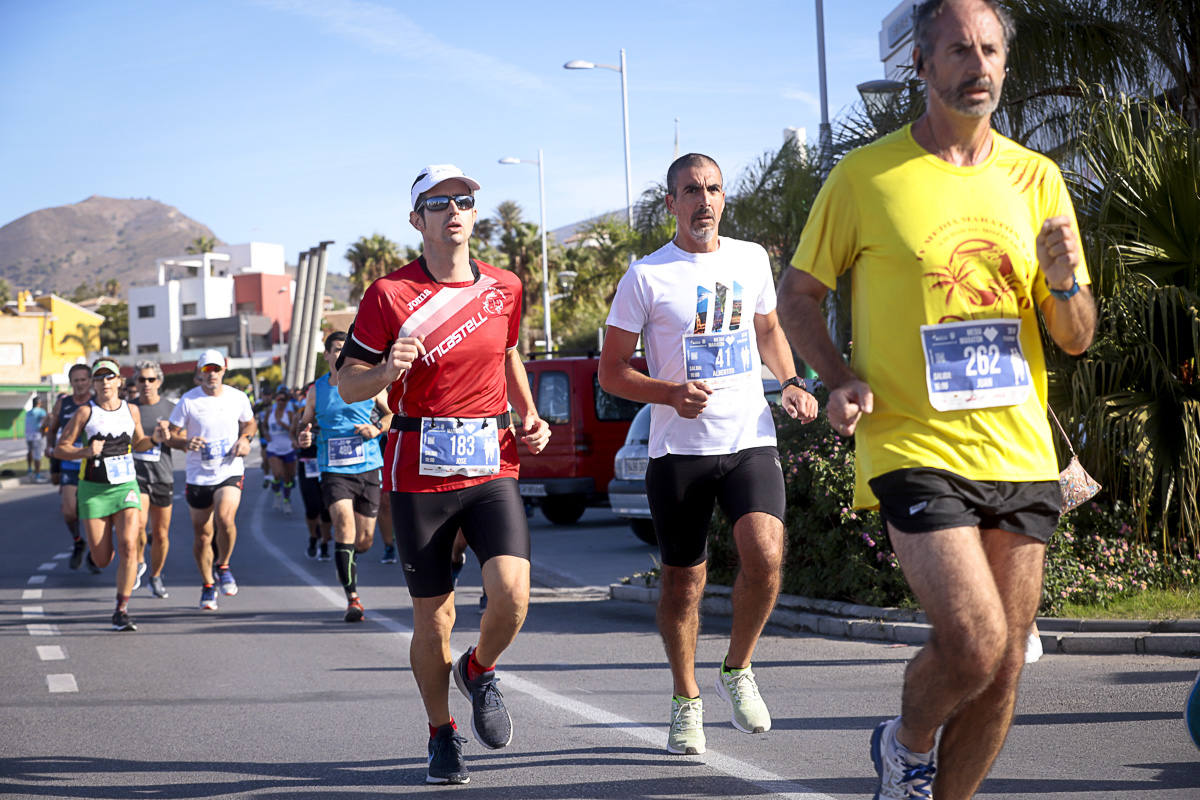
163, 329
253, 257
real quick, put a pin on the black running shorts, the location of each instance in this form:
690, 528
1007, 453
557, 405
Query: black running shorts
681, 490
159, 492
491, 516
203, 496
922, 500
362, 489
314, 504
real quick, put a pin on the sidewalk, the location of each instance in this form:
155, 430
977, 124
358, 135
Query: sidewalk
907, 626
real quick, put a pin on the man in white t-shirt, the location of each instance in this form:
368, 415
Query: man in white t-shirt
705, 307
215, 425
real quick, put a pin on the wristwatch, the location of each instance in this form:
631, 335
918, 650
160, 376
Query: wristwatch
1066, 294
795, 380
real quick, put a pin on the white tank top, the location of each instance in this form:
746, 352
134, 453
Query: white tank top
279, 433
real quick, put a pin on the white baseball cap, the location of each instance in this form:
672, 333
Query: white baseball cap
434, 174
211, 357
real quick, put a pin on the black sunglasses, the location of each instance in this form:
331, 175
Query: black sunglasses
440, 202
144, 379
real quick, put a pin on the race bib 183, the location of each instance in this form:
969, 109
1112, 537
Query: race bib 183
975, 364
451, 446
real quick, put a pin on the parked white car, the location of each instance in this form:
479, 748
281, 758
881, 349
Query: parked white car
627, 491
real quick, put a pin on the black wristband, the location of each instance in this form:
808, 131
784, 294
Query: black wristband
795, 380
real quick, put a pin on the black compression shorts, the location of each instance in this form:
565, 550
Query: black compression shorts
199, 496
314, 504
491, 516
362, 489
923, 499
159, 492
681, 490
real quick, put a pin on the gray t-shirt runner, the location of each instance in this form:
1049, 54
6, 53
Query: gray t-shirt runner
155, 465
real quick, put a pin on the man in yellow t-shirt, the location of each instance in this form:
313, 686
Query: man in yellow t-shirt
954, 238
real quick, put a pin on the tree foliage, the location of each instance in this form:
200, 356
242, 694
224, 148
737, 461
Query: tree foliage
372, 257
202, 244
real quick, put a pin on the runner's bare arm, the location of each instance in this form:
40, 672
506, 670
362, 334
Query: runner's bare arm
66, 450
618, 376
1071, 322
775, 353
141, 442
535, 432
178, 438
369, 431
359, 380
246, 431
52, 428
800, 296
307, 415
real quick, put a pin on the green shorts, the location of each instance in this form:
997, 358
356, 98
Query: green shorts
97, 500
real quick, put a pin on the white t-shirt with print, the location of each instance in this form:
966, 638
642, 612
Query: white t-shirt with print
218, 419
670, 293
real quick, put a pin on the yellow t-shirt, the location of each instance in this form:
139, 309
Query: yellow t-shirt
931, 244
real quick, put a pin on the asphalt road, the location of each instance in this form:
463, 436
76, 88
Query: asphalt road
275, 697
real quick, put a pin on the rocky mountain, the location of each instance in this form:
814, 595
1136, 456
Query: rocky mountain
56, 249
92, 241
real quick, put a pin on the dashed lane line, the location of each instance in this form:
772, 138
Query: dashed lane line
51, 652
33, 611
41, 629
776, 785
31, 594
47, 566
61, 556
62, 682
34, 579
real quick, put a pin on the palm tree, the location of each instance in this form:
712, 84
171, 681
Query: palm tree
1134, 398
201, 245
87, 337
371, 257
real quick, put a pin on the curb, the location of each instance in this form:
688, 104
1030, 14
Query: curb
909, 626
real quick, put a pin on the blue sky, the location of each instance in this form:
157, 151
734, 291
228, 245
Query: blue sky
294, 121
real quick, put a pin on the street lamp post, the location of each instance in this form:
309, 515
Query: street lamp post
577, 64
545, 263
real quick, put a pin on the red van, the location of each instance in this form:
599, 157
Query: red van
587, 427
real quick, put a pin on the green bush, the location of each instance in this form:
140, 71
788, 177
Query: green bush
1095, 558
831, 550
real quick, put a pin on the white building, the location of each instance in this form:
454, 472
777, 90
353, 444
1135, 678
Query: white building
896, 41
168, 318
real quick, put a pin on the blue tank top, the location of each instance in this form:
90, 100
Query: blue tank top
339, 448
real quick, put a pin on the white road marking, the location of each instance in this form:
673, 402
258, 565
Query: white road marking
61, 556
41, 629
46, 567
36, 579
51, 652
33, 611
62, 682
31, 594
775, 785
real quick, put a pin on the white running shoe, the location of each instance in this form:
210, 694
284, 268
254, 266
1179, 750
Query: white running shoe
903, 775
738, 688
686, 737
1033, 647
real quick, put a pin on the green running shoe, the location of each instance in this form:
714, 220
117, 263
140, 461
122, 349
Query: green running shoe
737, 687
687, 727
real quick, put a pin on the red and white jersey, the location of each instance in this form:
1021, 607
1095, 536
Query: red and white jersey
467, 329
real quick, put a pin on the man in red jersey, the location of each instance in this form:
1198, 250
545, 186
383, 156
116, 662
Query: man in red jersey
441, 332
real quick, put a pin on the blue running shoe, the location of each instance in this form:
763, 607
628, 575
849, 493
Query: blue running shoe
445, 757
490, 721
1191, 712
208, 598
902, 775
228, 584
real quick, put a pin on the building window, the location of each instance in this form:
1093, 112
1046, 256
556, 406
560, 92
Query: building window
145, 312
147, 348
189, 309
